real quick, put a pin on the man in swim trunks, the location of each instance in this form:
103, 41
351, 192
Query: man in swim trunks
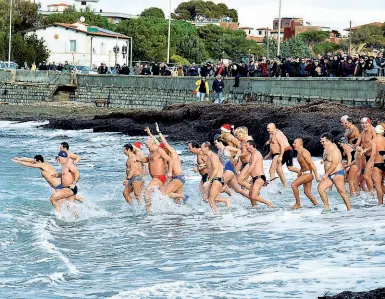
257, 175
134, 173
157, 159
282, 153
242, 134
364, 148
69, 177
174, 189
351, 137
305, 176
334, 172
215, 181
201, 167
376, 162
47, 170
64, 146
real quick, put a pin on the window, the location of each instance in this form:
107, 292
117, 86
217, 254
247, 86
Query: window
84, 2
260, 32
72, 45
287, 24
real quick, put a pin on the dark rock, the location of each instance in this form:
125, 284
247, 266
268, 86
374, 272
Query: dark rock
196, 122
375, 294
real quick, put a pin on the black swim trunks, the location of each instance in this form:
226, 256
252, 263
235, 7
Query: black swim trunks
219, 179
205, 177
262, 177
367, 158
273, 155
287, 157
74, 189
244, 165
380, 166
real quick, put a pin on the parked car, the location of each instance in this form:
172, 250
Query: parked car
4, 65
82, 69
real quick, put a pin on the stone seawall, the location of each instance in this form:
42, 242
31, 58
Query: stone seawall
28, 87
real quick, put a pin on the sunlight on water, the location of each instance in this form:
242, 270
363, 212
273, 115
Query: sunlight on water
112, 250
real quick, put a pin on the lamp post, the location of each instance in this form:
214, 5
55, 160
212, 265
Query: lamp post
131, 44
169, 35
279, 29
10, 34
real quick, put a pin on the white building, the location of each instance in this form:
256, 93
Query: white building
80, 44
81, 5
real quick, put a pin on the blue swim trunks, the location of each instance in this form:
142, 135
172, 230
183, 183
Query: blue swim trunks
59, 187
136, 178
180, 178
229, 167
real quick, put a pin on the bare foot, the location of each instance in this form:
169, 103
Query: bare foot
296, 206
271, 206
79, 198
228, 203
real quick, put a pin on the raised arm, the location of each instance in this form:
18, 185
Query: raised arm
148, 131
74, 157
24, 159
27, 164
163, 139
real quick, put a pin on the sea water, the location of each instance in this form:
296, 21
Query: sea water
113, 250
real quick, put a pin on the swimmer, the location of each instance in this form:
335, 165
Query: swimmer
224, 153
257, 175
201, 165
376, 162
158, 160
282, 153
305, 176
47, 170
64, 146
364, 148
69, 177
174, 189
242, 134
134, 174
351, 137
334, 172
215, 181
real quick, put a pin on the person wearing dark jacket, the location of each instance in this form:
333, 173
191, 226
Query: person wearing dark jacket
125, 70
218, 86
155, 70
194, 71
348, 68
332, 66
242, 72
360, 67
289, 68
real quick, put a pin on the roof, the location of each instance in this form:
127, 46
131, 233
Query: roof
263, 28
60, 4
245, 28
378, 24
99, 32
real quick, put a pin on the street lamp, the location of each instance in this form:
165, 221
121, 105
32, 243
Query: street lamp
10, 35
279, 29
116, 51
169, 35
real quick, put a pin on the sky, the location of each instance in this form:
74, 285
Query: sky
260, 13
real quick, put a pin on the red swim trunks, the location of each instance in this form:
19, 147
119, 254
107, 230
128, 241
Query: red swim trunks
161, 178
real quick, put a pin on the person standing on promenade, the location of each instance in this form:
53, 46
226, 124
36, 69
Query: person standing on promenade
157, 160
282, 153
64, 146
218, 86
305, 176
376, 162
69, 177
257, 174
202, 89
134, 174
334, 172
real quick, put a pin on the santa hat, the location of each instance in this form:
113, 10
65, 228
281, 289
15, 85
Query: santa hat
162, 145
137, 146
366, 120
344, 118
226, 128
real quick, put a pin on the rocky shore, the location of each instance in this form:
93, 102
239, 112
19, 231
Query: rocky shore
375, 294
199, 121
